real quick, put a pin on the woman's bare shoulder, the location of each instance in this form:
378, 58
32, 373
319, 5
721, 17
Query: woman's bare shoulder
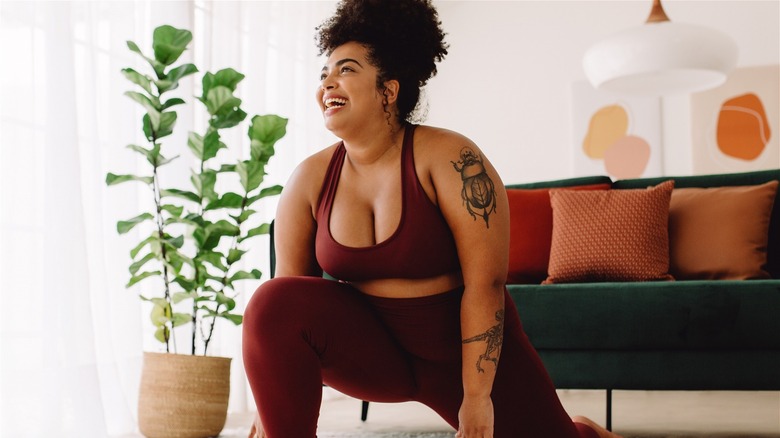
306, 179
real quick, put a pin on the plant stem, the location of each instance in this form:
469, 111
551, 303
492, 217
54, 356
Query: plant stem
163, 250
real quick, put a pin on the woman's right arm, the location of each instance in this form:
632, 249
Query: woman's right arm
295, 226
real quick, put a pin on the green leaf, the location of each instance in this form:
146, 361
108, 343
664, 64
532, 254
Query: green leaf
235, 255
227, 168
174, 242
228, 200
195, 143
174, 210
181, 319
186, 285
147, 127
214, 232
204, 184
218, 98
251, 174
178, 297
245, 214
180, 194
176, 260
135, 279
213, 258
134, 252
244, 275
235, 319
162, 334
138, 79
266, 192
169, 42
123, 227
224, 300
257, 231
171, 80
167, 122
205, 148
212, 145
264, 132
134, 47
152, 155
161, 312
158, 68
172, 102
224, 108
226, 77
152, 111
137, 265
112, 179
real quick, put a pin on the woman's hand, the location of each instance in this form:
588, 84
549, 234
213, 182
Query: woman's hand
475, 418
257, 428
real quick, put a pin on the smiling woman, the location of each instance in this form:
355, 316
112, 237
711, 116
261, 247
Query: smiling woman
404, 216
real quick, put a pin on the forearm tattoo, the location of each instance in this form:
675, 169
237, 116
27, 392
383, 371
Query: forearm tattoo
479, 192
494, 338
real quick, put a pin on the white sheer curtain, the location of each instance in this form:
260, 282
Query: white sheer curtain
71, 336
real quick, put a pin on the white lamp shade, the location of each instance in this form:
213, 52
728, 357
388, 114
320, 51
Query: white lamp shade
661, 58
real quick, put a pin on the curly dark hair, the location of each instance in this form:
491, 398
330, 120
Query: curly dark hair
404, 41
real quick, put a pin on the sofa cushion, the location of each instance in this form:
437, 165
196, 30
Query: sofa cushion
728, 179
530, 232
720, 232
657, 315
608, 235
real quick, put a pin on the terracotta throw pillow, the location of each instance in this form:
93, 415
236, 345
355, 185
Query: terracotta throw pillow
610, 235
530, 232
720, 232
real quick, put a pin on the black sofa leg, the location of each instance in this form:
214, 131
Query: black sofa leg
364, 411
609, 410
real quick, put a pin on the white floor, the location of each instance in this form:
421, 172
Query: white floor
636, 414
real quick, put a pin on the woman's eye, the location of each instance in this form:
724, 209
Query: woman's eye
346, 69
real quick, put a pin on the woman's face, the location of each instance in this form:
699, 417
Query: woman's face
348, 93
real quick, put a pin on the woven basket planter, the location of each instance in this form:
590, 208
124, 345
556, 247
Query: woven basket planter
183, 396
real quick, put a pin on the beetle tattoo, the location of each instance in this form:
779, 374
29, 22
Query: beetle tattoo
494, 338
479, 192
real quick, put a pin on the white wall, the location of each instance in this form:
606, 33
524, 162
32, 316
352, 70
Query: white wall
507, 80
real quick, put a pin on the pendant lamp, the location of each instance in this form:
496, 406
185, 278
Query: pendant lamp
660, 58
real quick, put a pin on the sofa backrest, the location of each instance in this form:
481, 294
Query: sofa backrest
721, 180
559, 183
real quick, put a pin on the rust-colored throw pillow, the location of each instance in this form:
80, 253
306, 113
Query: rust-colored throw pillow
610, 235
530, 232
720, 233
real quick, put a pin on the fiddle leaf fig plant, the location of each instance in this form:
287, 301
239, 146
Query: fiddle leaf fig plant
187, 266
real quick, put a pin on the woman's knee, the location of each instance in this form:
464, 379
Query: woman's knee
282, 300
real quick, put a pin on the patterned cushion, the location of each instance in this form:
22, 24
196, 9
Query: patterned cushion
720, 233
530, 232
610, 235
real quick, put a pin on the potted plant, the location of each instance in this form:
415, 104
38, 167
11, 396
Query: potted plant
188, 262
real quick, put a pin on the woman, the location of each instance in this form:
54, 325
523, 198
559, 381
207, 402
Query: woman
413, 222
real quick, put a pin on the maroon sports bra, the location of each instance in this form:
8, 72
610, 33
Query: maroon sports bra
421, 247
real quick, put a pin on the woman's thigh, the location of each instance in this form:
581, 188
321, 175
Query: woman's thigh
331, 326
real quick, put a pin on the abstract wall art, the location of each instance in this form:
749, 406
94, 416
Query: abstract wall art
615, 135
735, 127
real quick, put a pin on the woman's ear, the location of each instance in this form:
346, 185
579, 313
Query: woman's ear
392, 87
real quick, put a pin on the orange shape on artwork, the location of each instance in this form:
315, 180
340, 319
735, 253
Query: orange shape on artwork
627, 157
743, 130
607, 125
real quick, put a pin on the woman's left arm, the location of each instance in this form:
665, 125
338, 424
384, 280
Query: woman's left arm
473, 200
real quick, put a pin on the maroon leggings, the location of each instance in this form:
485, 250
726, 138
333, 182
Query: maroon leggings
303, 332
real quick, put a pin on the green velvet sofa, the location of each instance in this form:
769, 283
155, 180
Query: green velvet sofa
660, 335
